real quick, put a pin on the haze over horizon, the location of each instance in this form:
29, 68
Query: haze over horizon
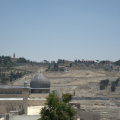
65, 29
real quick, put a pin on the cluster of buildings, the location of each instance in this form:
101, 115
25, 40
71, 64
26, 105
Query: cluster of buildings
17, 99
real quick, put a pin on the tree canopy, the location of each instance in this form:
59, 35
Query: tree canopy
5, 60
57, 109
117, 62
22, 60
103, 84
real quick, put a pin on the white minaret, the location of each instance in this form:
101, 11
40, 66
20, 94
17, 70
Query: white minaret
25, 94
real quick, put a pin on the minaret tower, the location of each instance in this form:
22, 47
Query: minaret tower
25, 94
14, 56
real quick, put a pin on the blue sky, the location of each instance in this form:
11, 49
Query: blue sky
60, 29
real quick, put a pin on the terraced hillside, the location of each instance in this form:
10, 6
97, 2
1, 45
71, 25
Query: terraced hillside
85, 83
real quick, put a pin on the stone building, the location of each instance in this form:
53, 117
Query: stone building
18, 98
14, 59
82, 114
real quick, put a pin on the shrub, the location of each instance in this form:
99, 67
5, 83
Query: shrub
113, 87
103, 84
117, 81
102, 87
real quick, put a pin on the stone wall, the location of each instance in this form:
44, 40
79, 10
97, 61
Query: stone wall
11, 95
17, 105
84, 115
10, 91
89, 115
24, 117
44, 95
10, 105
36, 102
39, 95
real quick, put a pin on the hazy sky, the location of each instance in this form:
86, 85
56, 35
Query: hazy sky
66, 29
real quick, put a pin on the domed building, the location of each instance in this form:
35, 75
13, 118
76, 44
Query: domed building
25, 95
40, 84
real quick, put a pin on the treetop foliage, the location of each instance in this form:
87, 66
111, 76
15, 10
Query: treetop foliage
67, 97
22, 60
57, 109
103, 84
114, 84
117, 62
5, 60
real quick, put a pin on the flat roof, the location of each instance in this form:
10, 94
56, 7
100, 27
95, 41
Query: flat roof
40, 88
34, 110
36, 98
22, 99
19, 87
13, 87
11, 98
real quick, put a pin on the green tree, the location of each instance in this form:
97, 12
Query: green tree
70, 65
117, 81
56, 109
4, 79
113, 88
102, 87
60, 61
66, 97
104, 84
75, 61
55, 66
117, 62
11, 77
21, 60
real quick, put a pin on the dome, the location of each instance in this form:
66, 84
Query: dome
40, 81
25, 82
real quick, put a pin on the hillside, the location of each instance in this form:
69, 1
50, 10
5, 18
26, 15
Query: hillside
84, 83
